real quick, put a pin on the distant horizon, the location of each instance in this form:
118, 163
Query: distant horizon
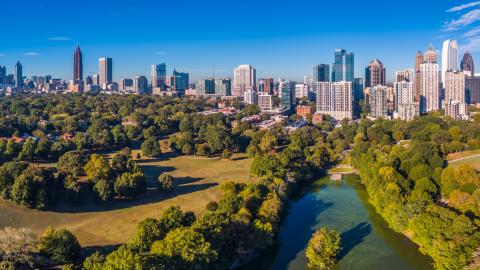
208, 34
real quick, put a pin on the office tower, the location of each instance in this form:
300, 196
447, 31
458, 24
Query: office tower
140, 85
430, 84
321, 73
467, 65
77, 64
95, 79
335, 99
431, 55
125, 85
159, 75
378, 101
265, 85
449, 57
455, 86
343, 68
181, 80
265, 101
286, 90
407, 111
205, 87
105, 71
3, 74
223, 87
404, 93
375, 74
405, 75
244, 79
18, 76
301, 90
472, 89
250, 97
358, 89
418, 75
89, 80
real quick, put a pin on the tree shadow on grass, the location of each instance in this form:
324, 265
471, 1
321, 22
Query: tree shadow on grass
353, 237
185, 185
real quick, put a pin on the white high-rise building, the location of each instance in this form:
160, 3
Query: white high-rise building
403, 93
301, 90
456, 109
378, 101
430, 85
265, 101
455, 86
244, 79
335, 99
405, 75
140, 85
250, 97
449, 57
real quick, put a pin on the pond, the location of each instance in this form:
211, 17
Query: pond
367, 241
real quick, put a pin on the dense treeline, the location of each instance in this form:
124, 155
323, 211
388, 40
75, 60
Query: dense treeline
406, 181
90, 122
247, 218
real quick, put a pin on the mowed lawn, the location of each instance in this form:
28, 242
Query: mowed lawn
196, 183
473, 161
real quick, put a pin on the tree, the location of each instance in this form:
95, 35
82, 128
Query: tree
123, 258
187, 245
165, 182
130, 186
94, 261
60, 245
104, 190
97, 168
72, 190
28, 149
17, 246
72, 162
151, 148
148, 231
34, 188
322, 249
120, 137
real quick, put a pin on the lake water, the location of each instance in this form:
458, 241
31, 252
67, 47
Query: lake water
367, 241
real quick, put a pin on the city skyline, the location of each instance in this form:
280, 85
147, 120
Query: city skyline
268, 47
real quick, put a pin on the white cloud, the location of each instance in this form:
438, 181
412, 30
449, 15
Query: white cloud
160, 53
32, 54
473, 45
465, 20
59, 38
464, 6
472, 32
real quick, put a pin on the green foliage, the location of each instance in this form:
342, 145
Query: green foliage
151, 148
60, 245
130, 186
94, 261
323, 248
72, 162
98, 168
104, 190
165, 182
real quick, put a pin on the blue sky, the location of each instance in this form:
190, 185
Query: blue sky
282, 39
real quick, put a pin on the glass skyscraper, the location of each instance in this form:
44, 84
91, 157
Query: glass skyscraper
343, 66
321, 73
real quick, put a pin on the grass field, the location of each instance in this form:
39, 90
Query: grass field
472, 161
196, 183
463, 154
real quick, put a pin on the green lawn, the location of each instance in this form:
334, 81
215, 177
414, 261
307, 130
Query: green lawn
196, 183
472, 161
463, 154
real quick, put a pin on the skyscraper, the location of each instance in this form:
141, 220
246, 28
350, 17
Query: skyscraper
205, 87
244, 79
105, 71
3, 74
343, 66
455, 86
467, 64
403, 93
181, 80
18, 76
335, 99
418, 76
358, 89
375, 74
449, 57
223, 87
378, 101
159, 75
77, 64
430, 85
321, 73
265, 85
286, 90
431, 55
140, 84
405, 75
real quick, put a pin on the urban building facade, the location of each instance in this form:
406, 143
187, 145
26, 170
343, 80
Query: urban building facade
301, 90
105, 71
244, 79
455, 86
472, 89
18, 75
321, 73
335, 99
407, 75
467, 65
223, 87
159, 75
77, 64
375, 74
378, 101
343, 68
430, 85
140, 85
206, 87
449, 58
265, 85
265, 101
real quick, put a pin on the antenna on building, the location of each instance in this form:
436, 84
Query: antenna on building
213, 71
